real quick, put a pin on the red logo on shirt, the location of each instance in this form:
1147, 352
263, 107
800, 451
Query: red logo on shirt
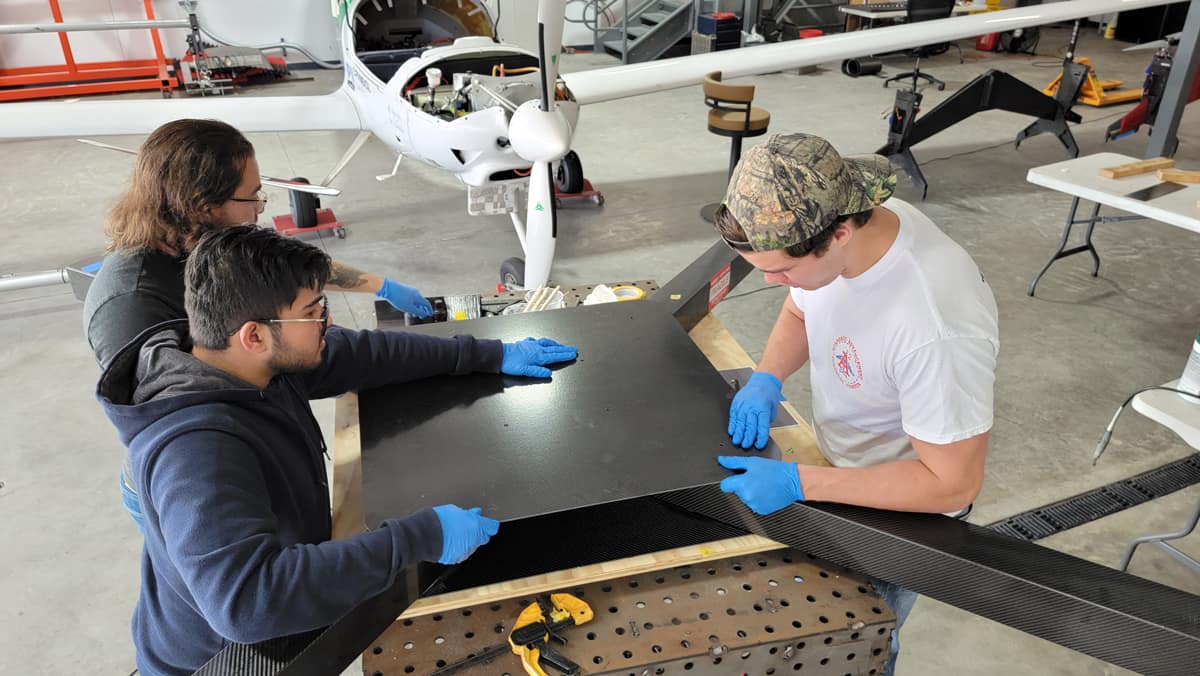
846, 363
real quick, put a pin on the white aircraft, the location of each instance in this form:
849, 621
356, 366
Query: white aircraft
496, 115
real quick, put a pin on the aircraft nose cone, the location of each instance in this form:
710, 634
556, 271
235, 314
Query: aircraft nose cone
539, 136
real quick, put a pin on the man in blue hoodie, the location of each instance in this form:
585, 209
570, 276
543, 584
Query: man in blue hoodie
228, 460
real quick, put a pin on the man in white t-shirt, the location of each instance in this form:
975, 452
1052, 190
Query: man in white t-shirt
897, 322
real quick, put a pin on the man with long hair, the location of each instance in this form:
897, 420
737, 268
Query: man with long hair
190, 177
228, 459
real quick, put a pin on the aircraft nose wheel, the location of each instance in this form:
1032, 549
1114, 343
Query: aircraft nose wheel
512, 274
304, 207
568, 174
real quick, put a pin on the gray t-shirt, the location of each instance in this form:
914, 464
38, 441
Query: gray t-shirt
133, 291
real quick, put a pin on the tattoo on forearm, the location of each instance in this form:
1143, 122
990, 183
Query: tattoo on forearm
346, 277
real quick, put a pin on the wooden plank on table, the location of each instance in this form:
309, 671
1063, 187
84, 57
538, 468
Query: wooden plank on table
1179, 175
1136, 168
597, 572
348, 517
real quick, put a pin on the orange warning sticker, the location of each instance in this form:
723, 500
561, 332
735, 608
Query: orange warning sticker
718, 287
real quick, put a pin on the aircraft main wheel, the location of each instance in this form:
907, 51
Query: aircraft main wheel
568, 175
512, 273
303, 206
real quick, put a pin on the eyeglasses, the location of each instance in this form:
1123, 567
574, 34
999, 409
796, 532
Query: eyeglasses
324, 318
260, 199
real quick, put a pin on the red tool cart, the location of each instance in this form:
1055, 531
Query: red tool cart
73, 78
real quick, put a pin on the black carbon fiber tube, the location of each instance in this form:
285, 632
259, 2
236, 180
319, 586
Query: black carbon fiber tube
321, 652
861, 66
261, 659
1114, 616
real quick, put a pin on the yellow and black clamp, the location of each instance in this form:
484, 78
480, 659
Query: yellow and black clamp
538, 624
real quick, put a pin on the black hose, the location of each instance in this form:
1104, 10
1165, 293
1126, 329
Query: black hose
861, 66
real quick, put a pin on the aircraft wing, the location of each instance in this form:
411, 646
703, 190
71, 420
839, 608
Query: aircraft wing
606, 84
248, 114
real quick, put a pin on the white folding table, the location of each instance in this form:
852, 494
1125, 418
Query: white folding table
1080, 178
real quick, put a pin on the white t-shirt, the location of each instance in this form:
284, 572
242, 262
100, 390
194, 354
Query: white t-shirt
906, 348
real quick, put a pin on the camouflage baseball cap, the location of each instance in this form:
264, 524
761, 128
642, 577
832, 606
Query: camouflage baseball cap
785, 191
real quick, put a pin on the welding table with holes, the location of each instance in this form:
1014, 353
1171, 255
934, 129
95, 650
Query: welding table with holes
741, 602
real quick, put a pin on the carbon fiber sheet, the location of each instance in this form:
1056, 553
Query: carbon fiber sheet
596, 432
580, 537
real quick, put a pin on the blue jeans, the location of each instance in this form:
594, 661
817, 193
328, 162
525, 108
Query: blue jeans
901, 601
129, 498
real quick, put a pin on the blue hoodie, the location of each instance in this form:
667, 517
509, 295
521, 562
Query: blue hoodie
234, 491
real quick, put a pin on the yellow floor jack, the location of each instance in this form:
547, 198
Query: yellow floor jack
1096, 92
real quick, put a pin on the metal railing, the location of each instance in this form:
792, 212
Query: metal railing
594, 9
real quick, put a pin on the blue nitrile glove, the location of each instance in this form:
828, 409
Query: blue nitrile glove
529, 357
766, 485
753, 410
463, 531
405, 298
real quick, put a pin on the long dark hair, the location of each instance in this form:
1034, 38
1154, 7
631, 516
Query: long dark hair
184, 171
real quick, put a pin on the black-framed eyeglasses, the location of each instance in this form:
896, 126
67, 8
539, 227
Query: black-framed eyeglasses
260, 199
324, 318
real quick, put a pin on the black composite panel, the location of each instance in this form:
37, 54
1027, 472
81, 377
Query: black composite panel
642, 411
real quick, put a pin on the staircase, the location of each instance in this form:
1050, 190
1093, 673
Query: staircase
648, 31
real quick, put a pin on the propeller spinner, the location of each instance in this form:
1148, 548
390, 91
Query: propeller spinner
540, 133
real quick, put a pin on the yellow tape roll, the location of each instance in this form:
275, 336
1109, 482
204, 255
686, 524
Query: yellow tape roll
625, 293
